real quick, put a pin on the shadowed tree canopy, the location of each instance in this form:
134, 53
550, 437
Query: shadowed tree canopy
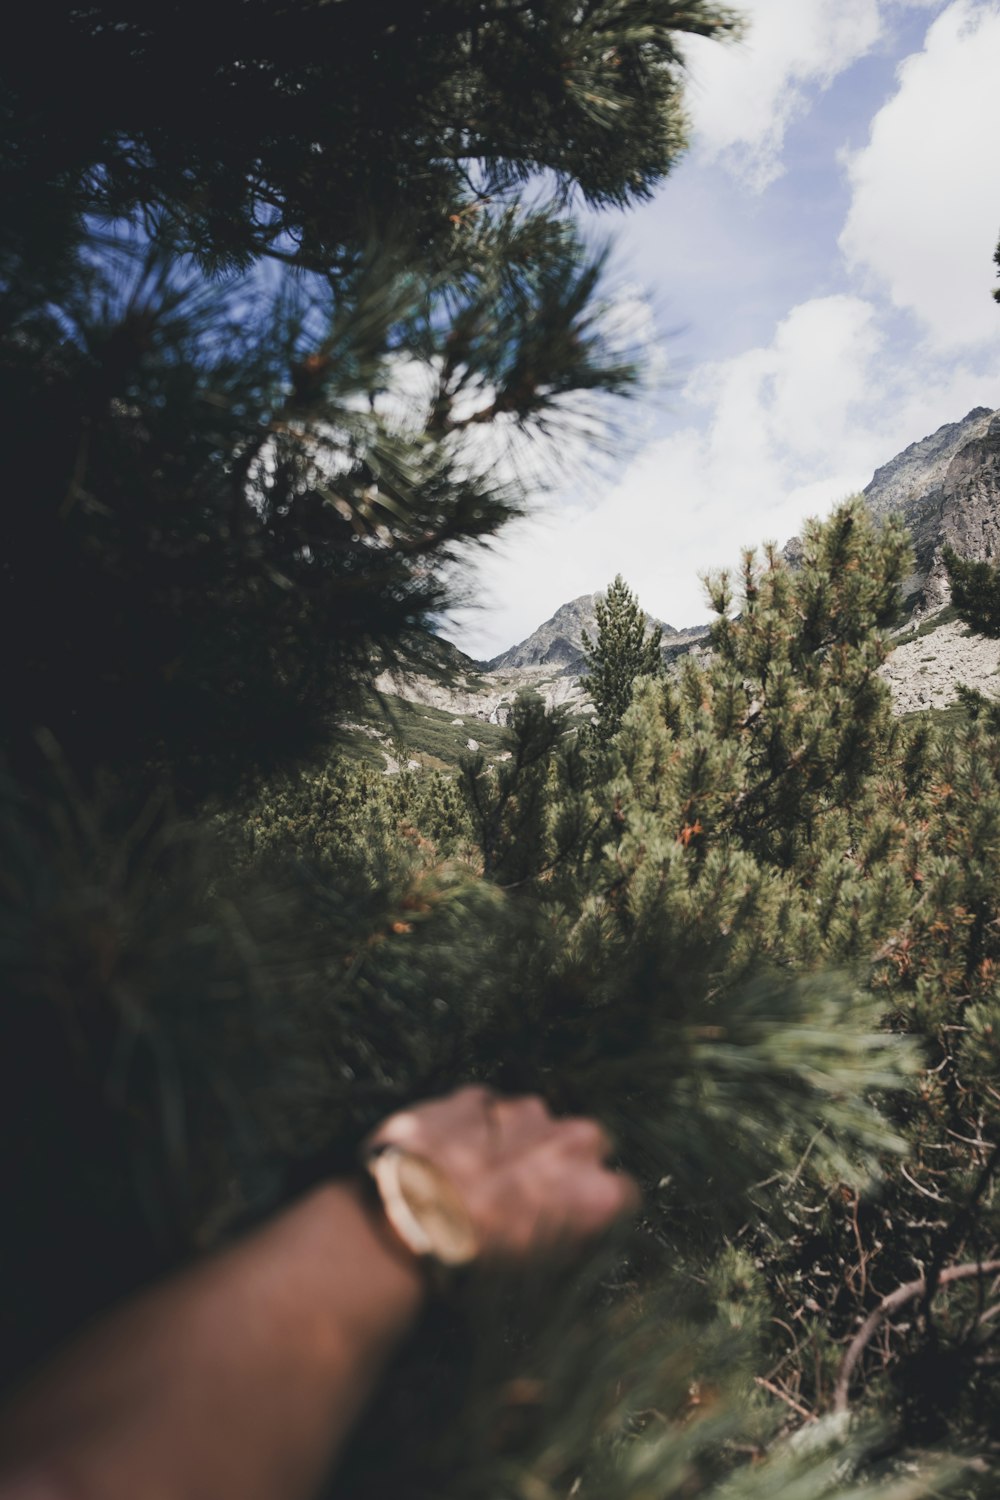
247, 128
268, 276
279, 284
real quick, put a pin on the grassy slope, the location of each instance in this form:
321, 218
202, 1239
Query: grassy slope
413, 731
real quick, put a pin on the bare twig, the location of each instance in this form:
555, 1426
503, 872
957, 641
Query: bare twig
796, 1406
926, 1192
890, 1304
953, 1239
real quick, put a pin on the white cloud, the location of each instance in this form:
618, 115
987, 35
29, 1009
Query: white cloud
770, 436
925, 212
742, 98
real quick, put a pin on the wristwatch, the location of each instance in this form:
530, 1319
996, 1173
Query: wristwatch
424, 1208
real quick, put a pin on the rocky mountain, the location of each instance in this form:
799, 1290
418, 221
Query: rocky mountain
960, 507
946, 487
558, 643
900, 486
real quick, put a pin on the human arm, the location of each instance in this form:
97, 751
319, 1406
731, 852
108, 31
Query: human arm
241, 1376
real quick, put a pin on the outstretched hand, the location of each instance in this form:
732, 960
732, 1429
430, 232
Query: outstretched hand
531, 1184
242, 1374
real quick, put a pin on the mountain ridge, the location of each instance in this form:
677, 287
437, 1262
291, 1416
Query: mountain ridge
558, 641
946, 488
930, 484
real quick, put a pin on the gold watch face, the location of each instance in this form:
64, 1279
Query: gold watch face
424, 1208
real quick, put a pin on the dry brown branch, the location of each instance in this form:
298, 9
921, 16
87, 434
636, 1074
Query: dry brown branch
927, 1193
776, 1390
889, 1304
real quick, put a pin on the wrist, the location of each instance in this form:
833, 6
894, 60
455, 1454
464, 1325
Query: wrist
362, 1241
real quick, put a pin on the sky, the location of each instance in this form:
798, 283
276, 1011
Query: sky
813, 288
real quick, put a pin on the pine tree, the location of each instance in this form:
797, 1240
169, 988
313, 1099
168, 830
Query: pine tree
623, 651
243, 131
764, 853
713, 927
639, 950
252, 337
975, 592
251, 341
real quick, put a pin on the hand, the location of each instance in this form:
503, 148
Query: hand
531, 1184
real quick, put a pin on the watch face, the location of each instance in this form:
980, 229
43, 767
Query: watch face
425, 1209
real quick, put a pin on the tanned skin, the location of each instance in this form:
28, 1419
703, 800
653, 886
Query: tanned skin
239, 1378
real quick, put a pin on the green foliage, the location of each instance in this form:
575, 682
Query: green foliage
520, 826
239, 537
248, 131
672, 873
760, 824
926, 627
798, 680
251, 340
752, 924
622, 652
606, 924
354, 817
975, 592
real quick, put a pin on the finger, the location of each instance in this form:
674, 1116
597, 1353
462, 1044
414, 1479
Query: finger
465, 1112
472, 1097
517, 1123
575, 1185
558, 1219
580, 1136
607, 1197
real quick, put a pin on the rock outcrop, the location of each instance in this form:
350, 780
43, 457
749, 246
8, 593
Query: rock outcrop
946, 488
962, 511
490, 696
901, 486
556, 644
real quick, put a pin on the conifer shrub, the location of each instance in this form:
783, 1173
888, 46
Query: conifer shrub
753, 932
752, 927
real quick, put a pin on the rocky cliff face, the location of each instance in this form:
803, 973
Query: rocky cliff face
488, 696
901, 486
962, 510
946, 488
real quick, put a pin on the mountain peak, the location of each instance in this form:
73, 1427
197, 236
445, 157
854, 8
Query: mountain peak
916, 471
559, 642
